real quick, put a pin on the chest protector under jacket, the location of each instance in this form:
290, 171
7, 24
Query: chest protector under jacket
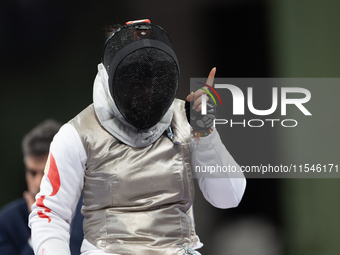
137, 201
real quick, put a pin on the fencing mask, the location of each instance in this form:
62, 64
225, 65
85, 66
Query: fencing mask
143, 72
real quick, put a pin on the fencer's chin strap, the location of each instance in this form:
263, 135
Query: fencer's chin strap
112, 120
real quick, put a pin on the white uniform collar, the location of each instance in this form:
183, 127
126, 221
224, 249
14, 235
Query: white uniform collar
112, 120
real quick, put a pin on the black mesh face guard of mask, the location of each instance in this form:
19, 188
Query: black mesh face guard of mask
143, 73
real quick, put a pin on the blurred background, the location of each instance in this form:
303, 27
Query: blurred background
49, 51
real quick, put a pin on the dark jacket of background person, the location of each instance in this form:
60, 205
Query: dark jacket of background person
15, 233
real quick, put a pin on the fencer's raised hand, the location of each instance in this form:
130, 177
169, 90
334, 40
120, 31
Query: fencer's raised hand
193, 106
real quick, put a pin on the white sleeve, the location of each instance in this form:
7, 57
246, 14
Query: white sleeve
60, 191
218, 175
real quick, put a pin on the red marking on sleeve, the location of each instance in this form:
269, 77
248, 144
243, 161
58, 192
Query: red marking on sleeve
53, 176
42, 215
40, 203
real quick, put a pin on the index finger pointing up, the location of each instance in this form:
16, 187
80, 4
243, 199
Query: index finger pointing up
209, 82
211, 77
199, 92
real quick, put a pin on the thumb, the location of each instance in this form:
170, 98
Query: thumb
190, 97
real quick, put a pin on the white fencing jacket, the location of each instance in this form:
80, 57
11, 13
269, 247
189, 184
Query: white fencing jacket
63, 181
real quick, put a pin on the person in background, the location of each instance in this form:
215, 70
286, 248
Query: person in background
15, 235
